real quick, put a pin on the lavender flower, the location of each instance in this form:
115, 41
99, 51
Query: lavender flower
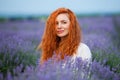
18, 57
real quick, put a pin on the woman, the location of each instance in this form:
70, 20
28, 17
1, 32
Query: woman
62, 36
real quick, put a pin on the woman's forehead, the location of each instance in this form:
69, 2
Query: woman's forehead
62, 16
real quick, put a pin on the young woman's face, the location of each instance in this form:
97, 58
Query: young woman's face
62, 25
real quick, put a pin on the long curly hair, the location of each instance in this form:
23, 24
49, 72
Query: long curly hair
51, 44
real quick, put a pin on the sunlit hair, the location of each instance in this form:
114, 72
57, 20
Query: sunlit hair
51, 44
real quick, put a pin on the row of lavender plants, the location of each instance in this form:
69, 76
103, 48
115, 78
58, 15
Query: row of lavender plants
19, 59
100, 34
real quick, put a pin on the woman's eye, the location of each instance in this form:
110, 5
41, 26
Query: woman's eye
56, 23
64, 22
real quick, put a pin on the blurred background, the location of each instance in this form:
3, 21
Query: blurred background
22, 25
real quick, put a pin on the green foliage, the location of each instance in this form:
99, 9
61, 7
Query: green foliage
3, 19
108, 59
11, 61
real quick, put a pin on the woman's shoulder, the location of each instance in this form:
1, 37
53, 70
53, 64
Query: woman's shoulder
83, 51
83, 46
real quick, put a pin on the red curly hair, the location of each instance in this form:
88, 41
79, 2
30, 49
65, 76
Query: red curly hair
51, 44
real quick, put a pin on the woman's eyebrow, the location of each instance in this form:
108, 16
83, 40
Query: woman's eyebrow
63, 20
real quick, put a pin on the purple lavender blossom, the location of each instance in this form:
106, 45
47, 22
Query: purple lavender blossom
19, 39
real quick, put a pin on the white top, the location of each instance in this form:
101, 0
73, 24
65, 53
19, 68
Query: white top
83, 52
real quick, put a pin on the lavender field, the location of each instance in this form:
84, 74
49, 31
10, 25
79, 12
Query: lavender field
19, 59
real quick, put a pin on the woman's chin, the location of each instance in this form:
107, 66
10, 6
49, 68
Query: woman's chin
61, 35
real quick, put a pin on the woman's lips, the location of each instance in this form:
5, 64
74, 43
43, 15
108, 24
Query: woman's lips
60, 31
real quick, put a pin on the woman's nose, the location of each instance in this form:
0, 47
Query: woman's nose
59, 25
